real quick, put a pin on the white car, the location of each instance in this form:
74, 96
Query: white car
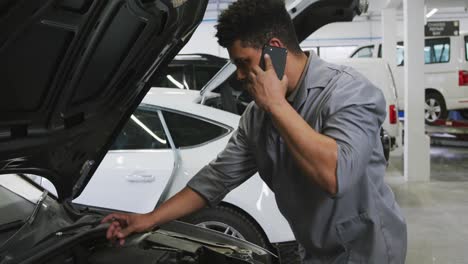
445, 74
168, 139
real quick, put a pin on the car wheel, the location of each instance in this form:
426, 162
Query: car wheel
435, 108
230, 222
464, 113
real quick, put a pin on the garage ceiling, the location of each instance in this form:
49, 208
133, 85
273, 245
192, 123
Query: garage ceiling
377, 5
449, 8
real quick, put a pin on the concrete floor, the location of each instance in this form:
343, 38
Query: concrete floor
436, 211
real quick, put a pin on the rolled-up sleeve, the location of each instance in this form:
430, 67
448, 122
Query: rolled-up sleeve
357, 111
234, 165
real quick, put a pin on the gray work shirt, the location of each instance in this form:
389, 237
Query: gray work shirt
362, 223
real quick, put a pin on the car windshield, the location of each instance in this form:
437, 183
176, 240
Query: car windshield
17, 194
30, 214
14, 208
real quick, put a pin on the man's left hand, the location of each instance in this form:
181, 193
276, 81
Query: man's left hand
265, 87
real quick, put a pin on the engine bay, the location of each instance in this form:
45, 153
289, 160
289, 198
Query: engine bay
42, 230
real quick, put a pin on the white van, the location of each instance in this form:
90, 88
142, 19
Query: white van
445, 74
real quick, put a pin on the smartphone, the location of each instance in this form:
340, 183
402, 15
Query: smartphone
278, 58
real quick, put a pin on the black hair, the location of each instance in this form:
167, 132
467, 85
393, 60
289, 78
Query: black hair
255, 22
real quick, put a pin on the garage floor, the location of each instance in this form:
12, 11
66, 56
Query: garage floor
437, 211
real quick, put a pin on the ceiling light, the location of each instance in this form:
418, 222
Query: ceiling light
432, 12
136, 120
175, 82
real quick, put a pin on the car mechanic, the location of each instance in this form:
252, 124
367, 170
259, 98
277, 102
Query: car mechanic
313, 136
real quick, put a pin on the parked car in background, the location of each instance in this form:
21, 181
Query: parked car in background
445, 74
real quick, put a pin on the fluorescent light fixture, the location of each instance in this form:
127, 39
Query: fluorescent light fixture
432, 12
136, 120
175, 82
189, 57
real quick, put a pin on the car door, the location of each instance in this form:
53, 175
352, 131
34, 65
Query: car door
364, 52
399, 74
198, 140
441, 68
133, 175
463, 62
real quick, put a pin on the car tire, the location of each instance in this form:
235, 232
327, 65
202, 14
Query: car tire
219, 217
434, 108
464, 113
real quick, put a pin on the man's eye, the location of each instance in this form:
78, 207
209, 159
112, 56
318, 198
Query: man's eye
245, 65
241, 63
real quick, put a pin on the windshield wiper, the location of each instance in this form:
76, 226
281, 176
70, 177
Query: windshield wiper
69, 230
39, 203
11, 225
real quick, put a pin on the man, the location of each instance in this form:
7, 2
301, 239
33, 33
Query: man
314, 139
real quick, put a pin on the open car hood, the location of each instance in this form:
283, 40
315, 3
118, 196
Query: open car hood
310, 15
35, 228
73, 71
307, 16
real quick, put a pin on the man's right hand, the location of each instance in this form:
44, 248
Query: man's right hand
122, 225
183, 203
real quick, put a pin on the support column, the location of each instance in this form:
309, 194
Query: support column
417, 147
389, 26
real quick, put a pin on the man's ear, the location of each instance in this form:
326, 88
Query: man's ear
276, 42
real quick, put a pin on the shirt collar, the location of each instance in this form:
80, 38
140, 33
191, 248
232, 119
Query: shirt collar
300, 83
317, 74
